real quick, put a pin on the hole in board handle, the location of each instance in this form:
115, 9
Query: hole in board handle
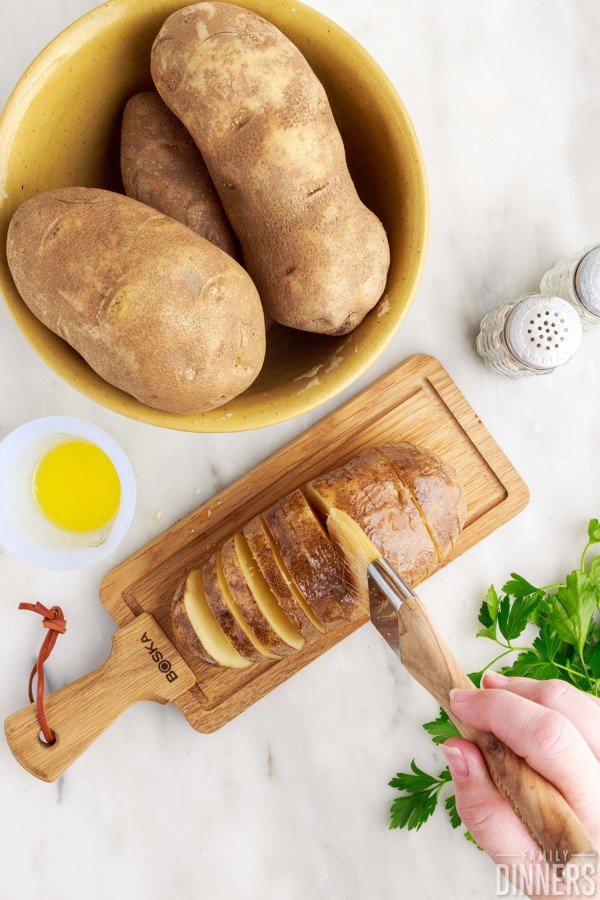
43, 740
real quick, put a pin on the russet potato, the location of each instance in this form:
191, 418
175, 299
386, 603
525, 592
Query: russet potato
152, 307
263, 123
162, 167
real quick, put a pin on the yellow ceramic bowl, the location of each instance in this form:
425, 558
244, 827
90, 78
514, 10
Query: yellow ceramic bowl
61, 127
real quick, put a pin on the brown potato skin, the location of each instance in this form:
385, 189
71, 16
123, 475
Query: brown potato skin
248, 606
260, 545
183, 632
220, 610
312, 560
153, 308
368, 489
436, 488
162, 167
264, 126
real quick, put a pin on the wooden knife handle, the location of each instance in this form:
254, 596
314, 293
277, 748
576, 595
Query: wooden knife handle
539, 805
143, 665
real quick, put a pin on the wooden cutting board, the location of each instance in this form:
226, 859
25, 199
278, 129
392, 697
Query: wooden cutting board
417, 401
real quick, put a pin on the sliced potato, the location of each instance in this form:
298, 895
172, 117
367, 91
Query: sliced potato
264, 651
359, 552
220, 608
264, 596
311, 559
435, 488
369, 491
196, 628
285, 579
248, 605
270, 562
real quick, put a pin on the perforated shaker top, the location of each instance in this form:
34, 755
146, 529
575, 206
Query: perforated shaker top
543, 331
587, 281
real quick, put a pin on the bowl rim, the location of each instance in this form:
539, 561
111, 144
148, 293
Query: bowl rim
108, 395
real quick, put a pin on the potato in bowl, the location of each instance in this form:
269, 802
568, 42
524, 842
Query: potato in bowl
152, 307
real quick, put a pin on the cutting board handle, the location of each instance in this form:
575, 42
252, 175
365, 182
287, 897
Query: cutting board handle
540, 806
143, 665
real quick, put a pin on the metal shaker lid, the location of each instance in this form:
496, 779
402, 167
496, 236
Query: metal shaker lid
543, 331
587, 281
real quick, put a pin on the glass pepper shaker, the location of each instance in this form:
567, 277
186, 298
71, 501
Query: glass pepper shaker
576, 278
531, 336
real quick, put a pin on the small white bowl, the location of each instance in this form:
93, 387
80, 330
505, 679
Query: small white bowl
24, 530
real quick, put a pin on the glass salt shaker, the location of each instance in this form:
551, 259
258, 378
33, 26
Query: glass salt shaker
531, 336
577, 279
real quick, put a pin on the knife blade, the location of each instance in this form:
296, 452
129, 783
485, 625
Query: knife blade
387, 591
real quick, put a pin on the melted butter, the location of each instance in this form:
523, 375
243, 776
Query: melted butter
76, 486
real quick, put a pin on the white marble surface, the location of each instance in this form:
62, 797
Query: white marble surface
290, 800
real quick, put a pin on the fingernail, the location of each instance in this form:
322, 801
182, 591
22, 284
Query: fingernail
494, 678
462, 695
457, 762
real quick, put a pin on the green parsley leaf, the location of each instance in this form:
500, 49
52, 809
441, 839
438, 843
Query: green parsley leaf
488, 614
513, 617
571, 609
418, 781
470, 837
594, 531
441, 728
529, 665
518, 586
450, 805
489, 608
547, 643
413, 809
595, 571
592, 658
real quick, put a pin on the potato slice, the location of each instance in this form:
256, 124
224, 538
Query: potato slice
359, 552
265, 598
196, 628
264, 651
270, 562
221, 610
311, 559
369, 491
435, 489
248, 605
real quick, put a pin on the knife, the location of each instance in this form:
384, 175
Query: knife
405, 624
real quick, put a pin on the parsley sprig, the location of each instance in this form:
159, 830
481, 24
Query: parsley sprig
566, 646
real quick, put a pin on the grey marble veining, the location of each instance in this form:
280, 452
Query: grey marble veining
290, 801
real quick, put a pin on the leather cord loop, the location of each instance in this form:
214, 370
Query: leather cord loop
55, 623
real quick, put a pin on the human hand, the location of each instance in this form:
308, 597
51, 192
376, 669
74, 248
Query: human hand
556, 728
